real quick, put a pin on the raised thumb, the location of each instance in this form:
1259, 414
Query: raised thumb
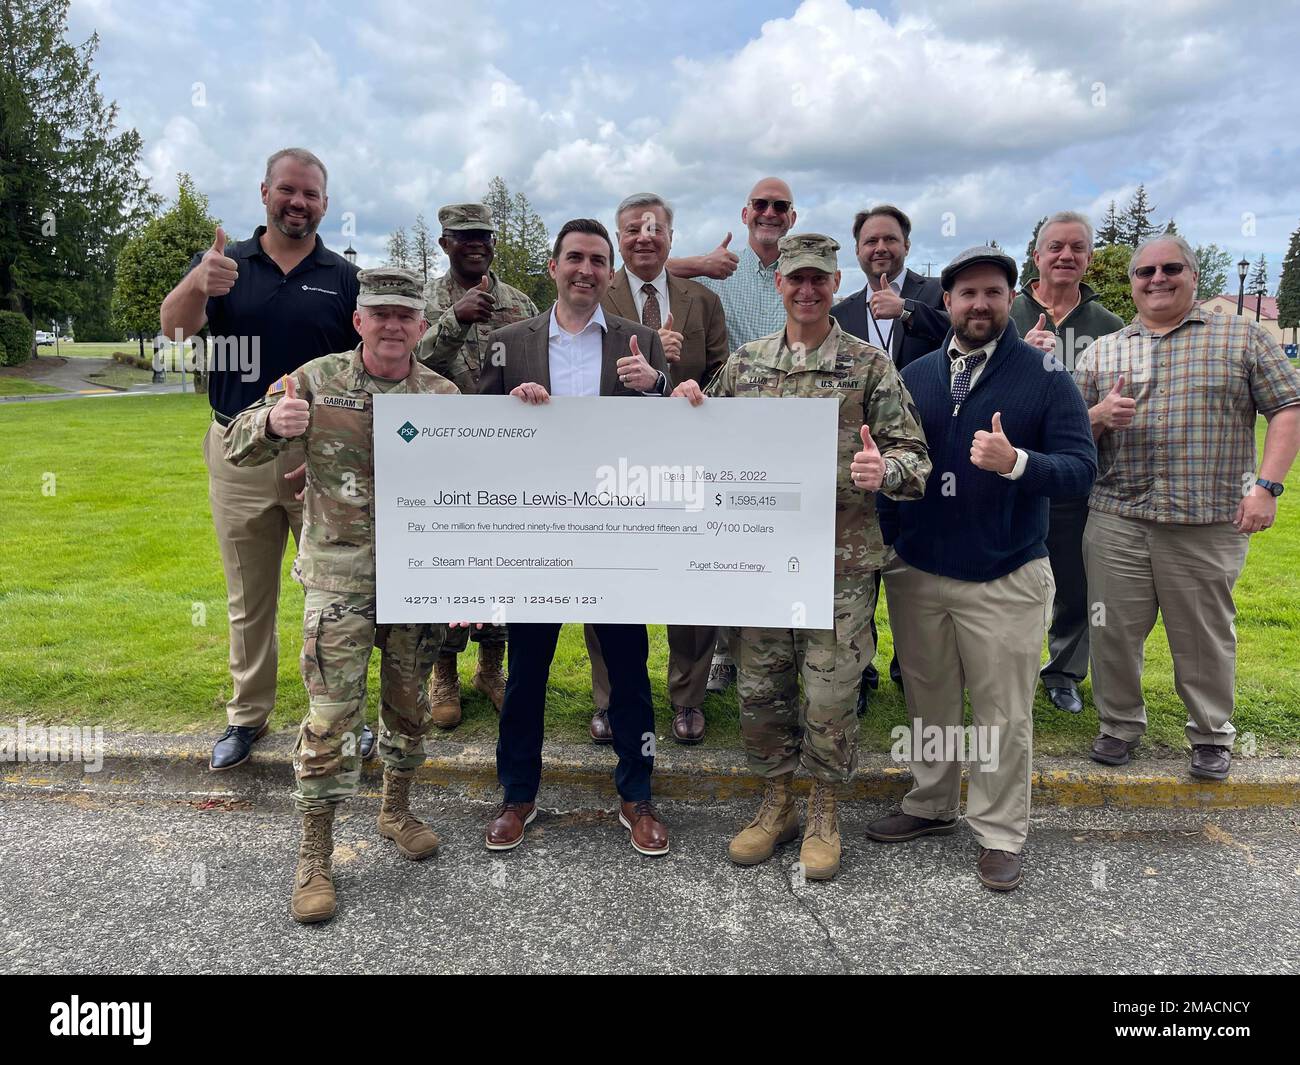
1042, 321
1119, 385
484, 283
219, 241
633, 347
997, 422
865, 433
669, 324
725, 241
290, 389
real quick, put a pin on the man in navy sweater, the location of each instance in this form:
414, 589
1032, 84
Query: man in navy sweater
970, 590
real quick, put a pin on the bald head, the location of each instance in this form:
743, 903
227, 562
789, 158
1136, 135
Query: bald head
768, 214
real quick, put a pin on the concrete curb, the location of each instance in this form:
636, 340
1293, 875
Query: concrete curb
155, 766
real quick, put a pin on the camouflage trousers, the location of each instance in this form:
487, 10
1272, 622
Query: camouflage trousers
457, 640
339, 633
783, 729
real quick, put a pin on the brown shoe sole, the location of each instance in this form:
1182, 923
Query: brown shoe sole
311, 918
636, 846
233, 765
999, 885
1124, 759
515, 843
935, 830
1206, 774
788, 836
686, 742
415, 856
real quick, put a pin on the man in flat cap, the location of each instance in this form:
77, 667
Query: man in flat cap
970, 589
813, 357
462, 308
326, 407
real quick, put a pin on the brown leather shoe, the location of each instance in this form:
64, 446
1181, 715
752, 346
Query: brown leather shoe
649, 834
1211, 761
900, 827
600, 730
1111, 750
506, 831
999, 870
688, 724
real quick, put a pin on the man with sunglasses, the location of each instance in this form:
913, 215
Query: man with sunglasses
1174, 397
752, 307
463, 307
1057, 313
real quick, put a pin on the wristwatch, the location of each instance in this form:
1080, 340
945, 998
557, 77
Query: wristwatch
906, 316
1273, 487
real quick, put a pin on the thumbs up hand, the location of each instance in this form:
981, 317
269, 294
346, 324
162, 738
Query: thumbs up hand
477, 304
671, 340
1041, 337
868, 466
720, 263
886, 304
289, 417
216, 274
635, 372
993, 451
1115, 411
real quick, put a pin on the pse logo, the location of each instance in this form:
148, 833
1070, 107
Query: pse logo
408, 432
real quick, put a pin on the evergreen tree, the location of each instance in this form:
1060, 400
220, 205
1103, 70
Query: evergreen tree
70, 188
1212, 266
1288, 288
523, 244
423, 248
1028, 270
399, 248
1135, 225
1107, 274
1108, 234
1171, 230
1259, 277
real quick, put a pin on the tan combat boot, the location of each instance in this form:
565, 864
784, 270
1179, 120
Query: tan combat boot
776, 822
444, 693
820, 853
413, 837
490, 678
313, 887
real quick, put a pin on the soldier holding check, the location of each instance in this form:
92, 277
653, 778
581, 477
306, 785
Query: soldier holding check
813, 357
327, 404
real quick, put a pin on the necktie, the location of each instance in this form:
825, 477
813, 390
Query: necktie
961, 382
650, 314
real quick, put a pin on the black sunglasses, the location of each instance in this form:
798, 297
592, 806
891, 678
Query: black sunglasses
1170, 270
472, 236
779, 206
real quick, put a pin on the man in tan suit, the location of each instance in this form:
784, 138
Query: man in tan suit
575, 349
693, 328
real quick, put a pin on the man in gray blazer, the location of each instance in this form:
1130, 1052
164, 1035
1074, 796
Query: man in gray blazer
575, 349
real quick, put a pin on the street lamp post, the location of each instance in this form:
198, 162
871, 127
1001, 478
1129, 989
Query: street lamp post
1242, 267
1259, 301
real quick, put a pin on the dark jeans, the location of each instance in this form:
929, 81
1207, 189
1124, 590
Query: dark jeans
870, 673
1067, 639
625, 649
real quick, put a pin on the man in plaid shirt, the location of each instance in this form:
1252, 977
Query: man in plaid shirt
1173, 399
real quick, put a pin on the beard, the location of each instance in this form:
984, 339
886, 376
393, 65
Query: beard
294, 230
976, 332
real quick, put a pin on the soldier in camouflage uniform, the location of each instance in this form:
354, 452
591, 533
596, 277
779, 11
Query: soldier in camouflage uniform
463, 307
328, 404
813, 357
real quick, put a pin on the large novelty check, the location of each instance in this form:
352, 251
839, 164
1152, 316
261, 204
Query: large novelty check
607, 510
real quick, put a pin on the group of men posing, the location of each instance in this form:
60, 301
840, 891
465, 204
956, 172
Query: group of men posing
1009, 462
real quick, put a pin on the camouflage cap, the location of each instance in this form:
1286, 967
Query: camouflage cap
390, 286
799, 250
466, 216
981, 253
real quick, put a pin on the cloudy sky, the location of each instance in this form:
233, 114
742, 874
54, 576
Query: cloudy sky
976, 116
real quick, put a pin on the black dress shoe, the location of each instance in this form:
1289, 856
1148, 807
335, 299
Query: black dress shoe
235, 746
600, 730
999, 870
864, 696
1210, 761
871, 676
1110, 750
367, 743
1066, 699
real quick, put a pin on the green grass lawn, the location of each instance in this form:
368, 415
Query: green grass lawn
112, 602
20, 386
116, 376
96, 349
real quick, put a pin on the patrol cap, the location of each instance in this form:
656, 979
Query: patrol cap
389, 286
815, 250
466, 216
980, 254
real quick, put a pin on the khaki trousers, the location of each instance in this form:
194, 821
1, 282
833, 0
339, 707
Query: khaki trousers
985, 637
1186, 573
254, 511
690, 651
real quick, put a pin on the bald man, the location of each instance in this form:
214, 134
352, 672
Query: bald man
751, 303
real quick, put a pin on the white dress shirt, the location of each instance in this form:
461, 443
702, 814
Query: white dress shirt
575, 358
956, 363
660, 284
882, 331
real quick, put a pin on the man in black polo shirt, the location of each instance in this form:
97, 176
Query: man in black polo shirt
272, 303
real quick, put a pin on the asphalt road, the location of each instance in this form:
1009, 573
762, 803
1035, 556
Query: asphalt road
95, 886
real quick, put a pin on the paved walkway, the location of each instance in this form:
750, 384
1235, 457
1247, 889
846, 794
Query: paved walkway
74, 375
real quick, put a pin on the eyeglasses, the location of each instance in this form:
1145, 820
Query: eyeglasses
472, 236
779, 206
1169, 270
